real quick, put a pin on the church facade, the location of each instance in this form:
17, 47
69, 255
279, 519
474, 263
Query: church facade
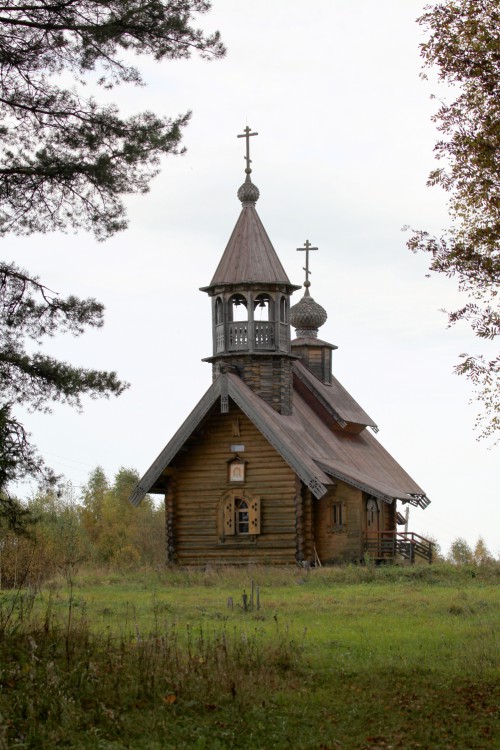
277, 463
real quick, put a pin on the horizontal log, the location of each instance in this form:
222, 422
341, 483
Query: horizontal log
236, 551
271, 506
214, 480
200, 561
183, 546
187, 530
197, 475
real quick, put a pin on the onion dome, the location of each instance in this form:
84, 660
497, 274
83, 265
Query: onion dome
248, 192
307, 316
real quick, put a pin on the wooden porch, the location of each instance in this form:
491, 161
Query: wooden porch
389, 545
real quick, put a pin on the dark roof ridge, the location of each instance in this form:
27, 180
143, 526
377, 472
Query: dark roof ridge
325, 392
299, 373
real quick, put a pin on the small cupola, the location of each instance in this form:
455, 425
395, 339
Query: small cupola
307, 317
250, 293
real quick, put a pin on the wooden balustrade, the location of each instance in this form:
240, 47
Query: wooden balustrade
262, 335
387, 545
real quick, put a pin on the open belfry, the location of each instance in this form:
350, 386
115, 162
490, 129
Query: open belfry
277, 463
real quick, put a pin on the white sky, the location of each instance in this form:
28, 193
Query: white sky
344, 148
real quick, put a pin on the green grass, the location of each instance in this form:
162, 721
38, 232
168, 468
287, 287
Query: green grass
354, 658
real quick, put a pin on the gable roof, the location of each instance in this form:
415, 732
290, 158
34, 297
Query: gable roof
250, 256
334, 398
315, 452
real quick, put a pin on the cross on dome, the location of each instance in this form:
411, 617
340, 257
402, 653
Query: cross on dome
307, 249
247, 134
248, 192
307, 316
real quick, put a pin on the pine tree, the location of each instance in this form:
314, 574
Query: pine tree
29, 314
65, 160
65, 163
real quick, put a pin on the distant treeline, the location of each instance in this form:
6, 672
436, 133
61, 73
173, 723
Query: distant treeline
98, 528
101, 529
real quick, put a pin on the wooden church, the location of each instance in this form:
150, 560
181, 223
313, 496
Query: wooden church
277, 463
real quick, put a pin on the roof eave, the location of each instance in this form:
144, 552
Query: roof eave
417, 500
286, 286
175, 444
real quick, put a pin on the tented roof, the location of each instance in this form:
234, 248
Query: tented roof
250, 256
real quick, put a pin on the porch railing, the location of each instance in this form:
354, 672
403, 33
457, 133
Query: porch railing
387, 545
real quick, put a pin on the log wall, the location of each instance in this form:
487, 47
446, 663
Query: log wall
317, 358
333, 545
201, 479
270, 377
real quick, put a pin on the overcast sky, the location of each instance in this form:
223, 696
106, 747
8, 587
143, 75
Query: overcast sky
344, 148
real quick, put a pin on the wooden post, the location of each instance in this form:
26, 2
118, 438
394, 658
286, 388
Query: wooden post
316, 558
251, 595
258, 597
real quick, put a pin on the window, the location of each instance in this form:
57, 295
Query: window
239, 515
337, 516
219, 315
242, 517
283, 310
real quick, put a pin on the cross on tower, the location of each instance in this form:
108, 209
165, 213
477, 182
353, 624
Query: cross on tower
306, 249
247, 134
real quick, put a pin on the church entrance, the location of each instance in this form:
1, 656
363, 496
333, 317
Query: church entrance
373, 526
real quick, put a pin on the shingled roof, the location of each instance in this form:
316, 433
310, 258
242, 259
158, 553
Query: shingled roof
333, 397
317, 453
250, 256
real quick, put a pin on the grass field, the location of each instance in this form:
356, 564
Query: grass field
358, 658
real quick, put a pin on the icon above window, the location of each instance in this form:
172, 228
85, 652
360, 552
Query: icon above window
236, 470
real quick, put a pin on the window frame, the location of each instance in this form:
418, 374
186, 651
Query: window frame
229, 520
338, 516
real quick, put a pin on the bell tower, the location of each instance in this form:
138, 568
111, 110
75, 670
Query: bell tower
250, 294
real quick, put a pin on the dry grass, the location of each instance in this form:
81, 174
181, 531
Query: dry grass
359, 659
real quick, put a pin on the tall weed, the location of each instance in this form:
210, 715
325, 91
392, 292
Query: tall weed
60, 676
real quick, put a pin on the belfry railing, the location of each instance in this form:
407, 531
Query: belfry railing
264, 336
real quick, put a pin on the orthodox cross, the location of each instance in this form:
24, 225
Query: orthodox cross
247, 134
306, 249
